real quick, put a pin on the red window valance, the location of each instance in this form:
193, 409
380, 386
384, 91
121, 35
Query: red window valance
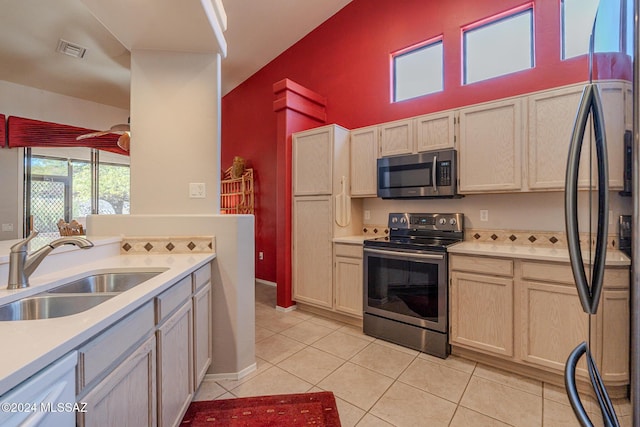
23, 132
3, 133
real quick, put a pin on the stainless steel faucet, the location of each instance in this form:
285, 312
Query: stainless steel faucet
21, 264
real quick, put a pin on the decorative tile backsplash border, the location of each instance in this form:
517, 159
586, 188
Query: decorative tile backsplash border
168, 245
375, 230
549, 239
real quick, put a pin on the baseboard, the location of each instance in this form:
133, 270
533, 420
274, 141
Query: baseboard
232, 375
286, 309
266, 282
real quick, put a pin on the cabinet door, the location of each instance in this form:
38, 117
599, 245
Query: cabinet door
363, 165
175, 366
482, 312
313, 162
202, 346
551, 118
396, 138
553, 324
312, 250
613, 335
435, 131
491, 137
613, 102
348, 281
126, 397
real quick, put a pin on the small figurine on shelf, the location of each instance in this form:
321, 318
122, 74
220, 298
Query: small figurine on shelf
238, 167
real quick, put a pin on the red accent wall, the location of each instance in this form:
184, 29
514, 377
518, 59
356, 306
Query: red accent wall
346, 59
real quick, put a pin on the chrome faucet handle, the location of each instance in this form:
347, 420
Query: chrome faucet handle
22, 245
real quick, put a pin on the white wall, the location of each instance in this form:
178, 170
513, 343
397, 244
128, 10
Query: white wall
37, 104
174, 131
523, 211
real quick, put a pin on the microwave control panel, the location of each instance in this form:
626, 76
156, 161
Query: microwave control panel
443, 176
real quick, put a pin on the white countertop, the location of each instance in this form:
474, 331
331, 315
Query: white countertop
353, 240
614, 257
31, 345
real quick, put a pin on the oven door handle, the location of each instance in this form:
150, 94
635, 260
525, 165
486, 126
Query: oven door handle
406, 254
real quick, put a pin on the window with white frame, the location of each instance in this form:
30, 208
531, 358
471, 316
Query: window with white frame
577, 23
418, 70
499, 45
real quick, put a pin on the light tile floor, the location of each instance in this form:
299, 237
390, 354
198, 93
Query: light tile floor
381, 384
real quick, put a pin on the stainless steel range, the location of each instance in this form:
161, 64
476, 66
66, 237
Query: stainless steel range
406, 281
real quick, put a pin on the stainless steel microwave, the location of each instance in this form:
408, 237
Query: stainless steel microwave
424, 175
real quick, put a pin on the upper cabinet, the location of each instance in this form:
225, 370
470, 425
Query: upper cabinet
396, 138
435, 131
363, 156
491, 137
551, 118
313, 162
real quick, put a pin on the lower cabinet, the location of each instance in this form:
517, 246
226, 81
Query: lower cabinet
175, 366
144, 369
202, 342
348, 278
126, 397
528, 317
482, 312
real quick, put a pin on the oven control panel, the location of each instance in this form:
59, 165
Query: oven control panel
427, 221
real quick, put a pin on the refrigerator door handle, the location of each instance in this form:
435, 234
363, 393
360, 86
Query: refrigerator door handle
608, 413
589, 294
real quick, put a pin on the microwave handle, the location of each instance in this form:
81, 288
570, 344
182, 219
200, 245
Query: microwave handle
433, 173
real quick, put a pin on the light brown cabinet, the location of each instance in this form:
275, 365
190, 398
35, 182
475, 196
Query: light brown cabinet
313, 156
363, 162
312, 234
491, 140
396, 138
527, 316
482, 312
347, 263
435, 131
319, 216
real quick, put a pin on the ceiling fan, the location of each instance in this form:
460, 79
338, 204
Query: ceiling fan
124, 130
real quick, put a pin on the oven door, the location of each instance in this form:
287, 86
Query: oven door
407, 286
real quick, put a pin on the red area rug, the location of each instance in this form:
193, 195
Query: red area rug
290, 410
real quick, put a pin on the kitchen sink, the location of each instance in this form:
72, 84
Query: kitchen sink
105, 282
49, 306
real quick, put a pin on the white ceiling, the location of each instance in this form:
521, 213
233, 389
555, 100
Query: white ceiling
258, 31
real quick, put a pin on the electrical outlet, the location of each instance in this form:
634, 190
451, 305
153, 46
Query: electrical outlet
260, 255
367, 214
197, 190
484, 215
610, 217
7, 227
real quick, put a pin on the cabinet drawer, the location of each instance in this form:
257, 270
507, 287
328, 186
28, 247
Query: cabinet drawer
493, 266
351, 251
107, 348
172, 298
547, 272
201, 277
561, 273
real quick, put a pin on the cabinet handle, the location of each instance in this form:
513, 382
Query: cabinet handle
589, 294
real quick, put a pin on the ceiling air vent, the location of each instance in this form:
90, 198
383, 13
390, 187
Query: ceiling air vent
70, 49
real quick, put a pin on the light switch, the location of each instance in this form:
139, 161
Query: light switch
7, 227
484, 215
197, 190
